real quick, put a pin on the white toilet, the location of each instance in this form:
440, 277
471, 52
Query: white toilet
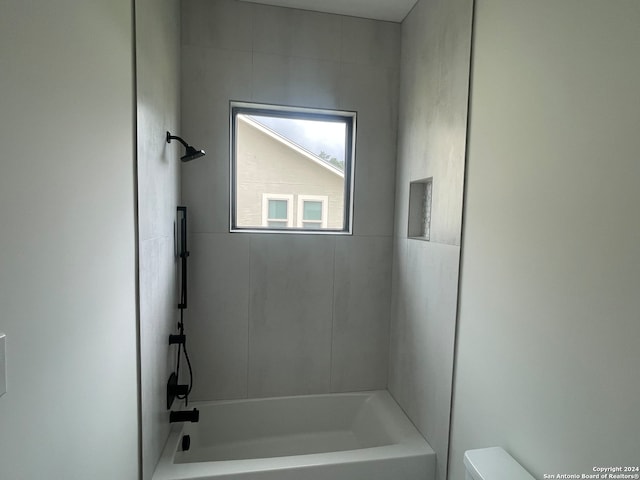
493, 464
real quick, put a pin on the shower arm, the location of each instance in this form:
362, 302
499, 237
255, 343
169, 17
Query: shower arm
175, 137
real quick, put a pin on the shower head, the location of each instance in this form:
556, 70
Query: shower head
190, 153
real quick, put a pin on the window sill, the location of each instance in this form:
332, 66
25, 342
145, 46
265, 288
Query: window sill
289, 231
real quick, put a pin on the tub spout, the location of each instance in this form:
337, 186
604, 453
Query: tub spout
184, 416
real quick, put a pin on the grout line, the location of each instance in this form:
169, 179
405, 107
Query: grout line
333, 316
253, 56
249, 293
342, 53
389, 315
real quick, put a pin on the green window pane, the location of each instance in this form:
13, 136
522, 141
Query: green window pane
312, 211
278, 209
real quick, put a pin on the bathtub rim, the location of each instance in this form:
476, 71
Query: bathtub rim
412, 445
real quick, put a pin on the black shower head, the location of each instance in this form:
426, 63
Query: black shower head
191, 153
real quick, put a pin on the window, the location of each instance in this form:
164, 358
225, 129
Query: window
291, 169
312, 212
276, 210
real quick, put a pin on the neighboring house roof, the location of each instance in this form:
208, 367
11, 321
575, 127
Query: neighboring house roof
292, 145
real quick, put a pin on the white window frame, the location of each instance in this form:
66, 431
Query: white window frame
265, 208
324, 199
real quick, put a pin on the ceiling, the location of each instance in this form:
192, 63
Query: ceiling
390, 10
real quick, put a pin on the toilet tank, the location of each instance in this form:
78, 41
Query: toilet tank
493, 464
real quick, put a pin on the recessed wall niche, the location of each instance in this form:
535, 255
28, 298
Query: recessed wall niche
420, 196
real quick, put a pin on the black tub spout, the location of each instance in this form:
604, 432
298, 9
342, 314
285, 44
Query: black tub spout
184, 416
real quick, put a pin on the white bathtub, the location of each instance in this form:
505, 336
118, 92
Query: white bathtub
347, 436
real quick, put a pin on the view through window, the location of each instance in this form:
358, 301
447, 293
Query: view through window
292, 169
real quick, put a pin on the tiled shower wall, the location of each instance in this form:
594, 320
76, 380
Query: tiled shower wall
158, 96
279, 314
436, 39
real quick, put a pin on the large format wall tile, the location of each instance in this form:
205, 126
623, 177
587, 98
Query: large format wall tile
220, 24
361, 310
217, 317
290, 314
301, 81
273, 30
296, 33
376, 143
432, 126
422, 336
211, 77
158, 318
158, 181
370, 42
316, 35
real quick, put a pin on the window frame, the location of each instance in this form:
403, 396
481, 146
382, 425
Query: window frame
266, 197
323, 199
347, 117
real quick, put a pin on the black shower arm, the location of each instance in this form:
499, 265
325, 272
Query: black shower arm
174, 137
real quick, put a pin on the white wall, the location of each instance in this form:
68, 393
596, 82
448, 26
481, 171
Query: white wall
547, 362
436, 38
287, 314
158, 97
67, 247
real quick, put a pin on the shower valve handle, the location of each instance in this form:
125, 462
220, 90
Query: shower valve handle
174, 389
